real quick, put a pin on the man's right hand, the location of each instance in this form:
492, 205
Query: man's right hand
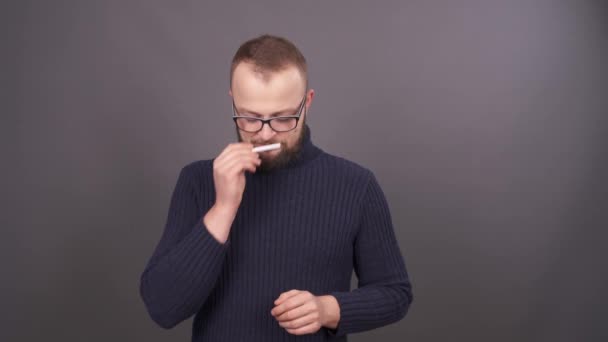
229, 179
229, 173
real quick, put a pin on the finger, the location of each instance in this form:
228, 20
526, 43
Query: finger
241, 153
251, 167
242, 146
300, 321
281, 301
295, 313
285, 295
237, 154
240, 165
307, 329
233, 147
290, 303
239, 145
233, 161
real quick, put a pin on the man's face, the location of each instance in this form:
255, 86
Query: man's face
280, 94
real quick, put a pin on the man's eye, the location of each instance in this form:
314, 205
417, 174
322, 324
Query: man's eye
283, 119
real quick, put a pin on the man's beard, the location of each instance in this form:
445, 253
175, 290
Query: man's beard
285, 155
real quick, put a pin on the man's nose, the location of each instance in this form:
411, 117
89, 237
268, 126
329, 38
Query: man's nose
266, 133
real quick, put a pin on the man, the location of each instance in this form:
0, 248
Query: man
260, 246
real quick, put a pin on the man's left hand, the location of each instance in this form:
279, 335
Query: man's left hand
301, 312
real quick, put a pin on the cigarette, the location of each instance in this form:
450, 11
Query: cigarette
267, 147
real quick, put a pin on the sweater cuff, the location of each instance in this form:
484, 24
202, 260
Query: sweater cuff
348, 314
208, 240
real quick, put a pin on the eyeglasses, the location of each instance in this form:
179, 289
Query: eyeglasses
278, 124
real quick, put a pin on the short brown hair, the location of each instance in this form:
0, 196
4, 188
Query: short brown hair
268, 54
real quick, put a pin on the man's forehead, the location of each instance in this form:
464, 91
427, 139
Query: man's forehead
248, 81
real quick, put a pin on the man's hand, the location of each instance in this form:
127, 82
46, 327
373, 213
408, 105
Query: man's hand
301, 312
229, 180
229, 173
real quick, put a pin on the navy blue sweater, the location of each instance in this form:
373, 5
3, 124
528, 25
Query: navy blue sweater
304, 227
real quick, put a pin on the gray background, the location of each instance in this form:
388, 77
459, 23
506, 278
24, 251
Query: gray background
484, 121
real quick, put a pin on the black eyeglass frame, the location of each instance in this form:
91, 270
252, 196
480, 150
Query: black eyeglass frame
264, 121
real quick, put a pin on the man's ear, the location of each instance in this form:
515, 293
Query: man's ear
309, 98
230, 92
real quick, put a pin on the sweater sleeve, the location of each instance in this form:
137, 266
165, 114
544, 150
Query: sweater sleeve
384, 291
186, 263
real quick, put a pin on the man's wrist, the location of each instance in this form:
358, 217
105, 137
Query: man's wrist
225, 209
218, 221
332, 311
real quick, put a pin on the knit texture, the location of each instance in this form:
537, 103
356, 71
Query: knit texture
306, 226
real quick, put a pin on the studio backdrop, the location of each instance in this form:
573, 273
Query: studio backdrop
484, 122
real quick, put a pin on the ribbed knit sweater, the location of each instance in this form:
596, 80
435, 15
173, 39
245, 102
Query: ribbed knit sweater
306, 226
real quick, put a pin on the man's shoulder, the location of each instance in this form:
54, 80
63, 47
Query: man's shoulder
347, 168
198, 169
199, 165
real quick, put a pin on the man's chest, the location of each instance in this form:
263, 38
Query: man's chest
305, 226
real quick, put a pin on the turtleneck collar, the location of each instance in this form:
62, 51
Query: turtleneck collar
308, 151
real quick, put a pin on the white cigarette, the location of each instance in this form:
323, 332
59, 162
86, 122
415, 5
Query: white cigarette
267, 147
